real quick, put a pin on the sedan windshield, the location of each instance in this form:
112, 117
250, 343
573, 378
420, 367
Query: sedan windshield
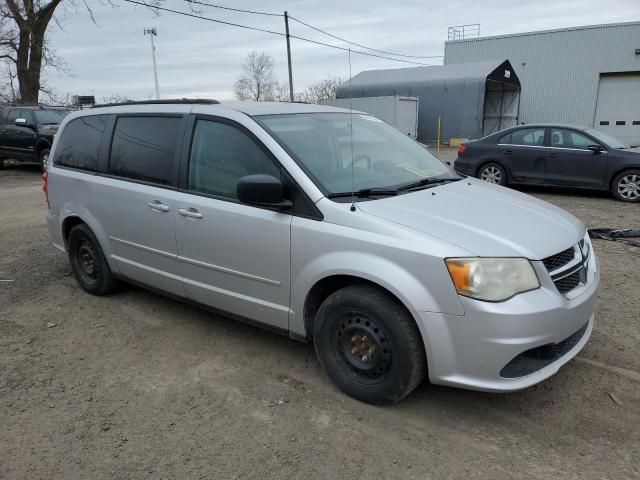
50, 117
611, 142
381, 156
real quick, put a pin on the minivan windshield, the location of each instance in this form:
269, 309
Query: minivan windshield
50, 117
383, 157
611, 142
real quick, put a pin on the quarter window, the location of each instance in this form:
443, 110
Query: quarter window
528, 136
79, 143
562, 138
143, 148
222, 154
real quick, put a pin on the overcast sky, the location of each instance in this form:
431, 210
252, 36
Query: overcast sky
198, 58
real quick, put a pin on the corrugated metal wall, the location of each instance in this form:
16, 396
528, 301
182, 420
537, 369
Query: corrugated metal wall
559, 70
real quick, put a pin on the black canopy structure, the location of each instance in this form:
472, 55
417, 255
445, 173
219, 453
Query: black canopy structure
472, 99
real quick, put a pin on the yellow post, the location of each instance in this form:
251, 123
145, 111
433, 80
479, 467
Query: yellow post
438, 144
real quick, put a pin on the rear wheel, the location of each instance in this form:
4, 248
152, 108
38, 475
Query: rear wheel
44, 158
493, 173
88, 263
626, 186
369, 345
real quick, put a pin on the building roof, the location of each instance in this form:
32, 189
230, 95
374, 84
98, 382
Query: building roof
545, 32
411, 75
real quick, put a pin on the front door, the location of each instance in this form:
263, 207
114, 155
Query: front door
233, 257
570, 162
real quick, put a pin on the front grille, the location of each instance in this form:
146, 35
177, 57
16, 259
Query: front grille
537, 358
559, 259
569, 282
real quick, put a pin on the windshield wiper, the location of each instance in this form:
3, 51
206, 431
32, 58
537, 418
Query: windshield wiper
364, 192
426, 182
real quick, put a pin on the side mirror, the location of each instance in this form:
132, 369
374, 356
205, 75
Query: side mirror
596, 148
22, 122
262, 190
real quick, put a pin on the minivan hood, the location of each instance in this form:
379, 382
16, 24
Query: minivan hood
484, 219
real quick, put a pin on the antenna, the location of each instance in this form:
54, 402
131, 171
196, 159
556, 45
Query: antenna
353, 194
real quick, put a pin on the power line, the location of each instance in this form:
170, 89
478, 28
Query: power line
254, 12
247, 27
358, 44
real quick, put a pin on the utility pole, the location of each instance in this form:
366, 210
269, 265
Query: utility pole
286, 27
153, 33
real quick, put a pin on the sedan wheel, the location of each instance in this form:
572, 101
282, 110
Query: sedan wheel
626, 186
493, 173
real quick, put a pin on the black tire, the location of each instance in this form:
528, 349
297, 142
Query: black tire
626, 186
1, 163
44, 155
369, 345
88, 263
493, 172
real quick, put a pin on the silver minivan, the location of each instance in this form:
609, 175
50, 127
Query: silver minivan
331, 227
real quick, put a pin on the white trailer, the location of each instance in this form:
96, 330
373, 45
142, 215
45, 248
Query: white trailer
400, 112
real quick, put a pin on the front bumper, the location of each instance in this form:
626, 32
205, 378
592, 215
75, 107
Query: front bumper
471, 350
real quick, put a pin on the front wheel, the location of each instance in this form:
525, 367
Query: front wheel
369, 345
626, 186
44, 158
493, 173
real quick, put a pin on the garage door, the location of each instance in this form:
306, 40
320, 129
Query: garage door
618, 108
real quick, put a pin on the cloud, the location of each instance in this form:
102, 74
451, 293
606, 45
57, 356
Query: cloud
197, 58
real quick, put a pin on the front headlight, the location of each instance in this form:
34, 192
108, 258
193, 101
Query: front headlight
492, 279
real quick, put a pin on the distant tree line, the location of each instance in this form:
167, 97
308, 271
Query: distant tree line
258, 82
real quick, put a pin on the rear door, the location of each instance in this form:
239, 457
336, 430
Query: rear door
569, 161
136, 198
522, 152
233, 257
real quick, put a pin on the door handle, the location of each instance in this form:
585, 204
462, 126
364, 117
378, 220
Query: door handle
158, 207
551, 155
508, 152
4, 130
190, 213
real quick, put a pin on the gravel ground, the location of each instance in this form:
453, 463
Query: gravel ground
140, 386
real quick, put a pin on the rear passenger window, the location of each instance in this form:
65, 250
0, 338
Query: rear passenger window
528, 136
143, 148
220, 155
79, 143
13, 115
506, 139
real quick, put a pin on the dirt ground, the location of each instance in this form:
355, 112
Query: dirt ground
142, 387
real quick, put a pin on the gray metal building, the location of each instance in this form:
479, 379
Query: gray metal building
585, 75
472, 100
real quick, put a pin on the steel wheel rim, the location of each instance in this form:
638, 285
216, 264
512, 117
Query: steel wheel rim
629, 187
87, 261
492, 175
363, 350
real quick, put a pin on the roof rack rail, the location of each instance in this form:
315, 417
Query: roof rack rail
182, 101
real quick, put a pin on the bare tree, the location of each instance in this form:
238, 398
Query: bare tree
281, 92
23, 41
257, 81
23, 26
322, 90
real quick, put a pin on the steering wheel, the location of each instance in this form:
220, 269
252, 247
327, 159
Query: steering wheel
358, 159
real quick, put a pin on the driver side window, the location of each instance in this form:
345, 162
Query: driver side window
562, 138
220, 155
